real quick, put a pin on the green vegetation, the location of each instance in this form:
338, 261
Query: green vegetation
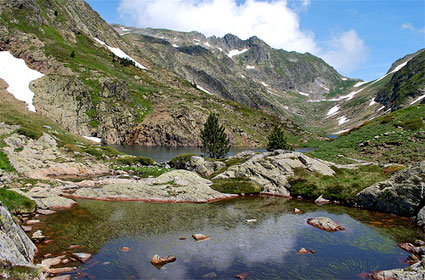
277, 139
215, 142
236, 186
135, 161
5, 163
343, 186
180, 161
397, 137
144, 171
30, 132
15, 202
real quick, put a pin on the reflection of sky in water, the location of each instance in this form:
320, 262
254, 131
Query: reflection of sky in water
266, 249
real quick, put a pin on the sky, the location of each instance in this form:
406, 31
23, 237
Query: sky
359, 38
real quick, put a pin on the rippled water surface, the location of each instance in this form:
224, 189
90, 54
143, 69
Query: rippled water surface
266, 249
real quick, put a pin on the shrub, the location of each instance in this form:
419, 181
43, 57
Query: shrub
72, 55
73, 148
180, 161
277, 139
30, 132
135, 160
411, 124
236, 186
215, 142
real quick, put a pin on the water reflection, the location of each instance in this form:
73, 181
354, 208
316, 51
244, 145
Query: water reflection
266, 249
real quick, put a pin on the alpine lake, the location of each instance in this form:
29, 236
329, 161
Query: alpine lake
256, 237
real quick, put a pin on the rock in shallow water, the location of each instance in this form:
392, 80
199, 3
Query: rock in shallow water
82, 257
325, 224
199, 237
158, 261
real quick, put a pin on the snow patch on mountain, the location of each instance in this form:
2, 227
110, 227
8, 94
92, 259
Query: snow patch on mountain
232, 53
333, 111
417, 99
342, 120
118, 52
19, 76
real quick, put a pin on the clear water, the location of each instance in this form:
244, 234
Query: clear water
266, 249
161, 153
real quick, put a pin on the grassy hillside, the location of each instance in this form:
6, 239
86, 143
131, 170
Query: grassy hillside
398, 137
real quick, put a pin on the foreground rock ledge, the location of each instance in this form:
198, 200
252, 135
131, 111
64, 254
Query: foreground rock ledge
324, 223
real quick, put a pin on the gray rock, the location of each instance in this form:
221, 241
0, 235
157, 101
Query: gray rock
402, 194
414, 272
174, 186
203, 167
420, 218
325, 223
16, 248
271, 170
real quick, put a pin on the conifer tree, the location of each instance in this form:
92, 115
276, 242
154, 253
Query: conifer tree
215, 142
277, 140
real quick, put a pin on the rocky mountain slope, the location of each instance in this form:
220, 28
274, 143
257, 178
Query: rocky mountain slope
90, 89
299, 86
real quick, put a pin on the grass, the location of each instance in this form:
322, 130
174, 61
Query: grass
397, 137
4, 163
341, 187
15, 202
135, 161
236, 186
180, 161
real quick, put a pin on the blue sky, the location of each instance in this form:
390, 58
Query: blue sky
360, 38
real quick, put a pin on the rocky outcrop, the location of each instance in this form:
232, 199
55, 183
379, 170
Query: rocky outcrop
403, 194
271, 170
176, 187
16, 248
41, 158
203, 167
64, 99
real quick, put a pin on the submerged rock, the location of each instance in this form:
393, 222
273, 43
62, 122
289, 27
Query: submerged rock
82, 257
321, 200
302, 251
325, 224
199, 237
38, 236
159, 262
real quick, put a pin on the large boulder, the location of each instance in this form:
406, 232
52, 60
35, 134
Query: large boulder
174, 186
420, 218
204, 167
16, 248
402, 194
414, 272
271, 170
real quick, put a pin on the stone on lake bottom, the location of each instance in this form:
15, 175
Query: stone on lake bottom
38, 236
297, 211
312, 251
62, 270
124, 249
199, 237
27, 228
82, 257
209, 275
72, 247
242, 275
158, 261
251, 220
45, 212
62, 277
302, 251
182, 238
32, 222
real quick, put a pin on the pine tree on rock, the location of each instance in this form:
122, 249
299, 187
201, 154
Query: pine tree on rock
277, 140
215, 142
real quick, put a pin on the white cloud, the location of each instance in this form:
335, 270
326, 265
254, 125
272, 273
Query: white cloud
346, 51
274, 21
407, 26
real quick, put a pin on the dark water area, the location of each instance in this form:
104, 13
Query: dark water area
266, 249
161, 153
332, 136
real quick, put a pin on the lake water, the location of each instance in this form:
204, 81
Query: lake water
161, 153
266, 249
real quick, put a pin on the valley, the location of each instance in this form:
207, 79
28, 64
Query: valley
101, 172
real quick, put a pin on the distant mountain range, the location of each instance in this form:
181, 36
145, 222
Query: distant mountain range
129, 85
